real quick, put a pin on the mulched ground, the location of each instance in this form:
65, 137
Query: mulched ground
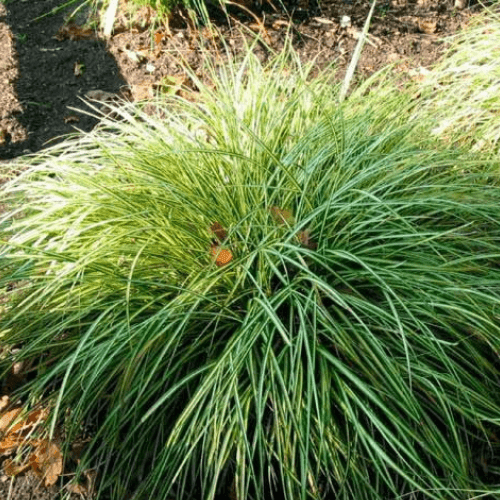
48, 65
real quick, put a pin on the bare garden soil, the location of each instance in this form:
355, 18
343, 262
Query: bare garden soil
49, 64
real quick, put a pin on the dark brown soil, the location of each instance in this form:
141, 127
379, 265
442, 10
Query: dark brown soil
46, 67
37, 78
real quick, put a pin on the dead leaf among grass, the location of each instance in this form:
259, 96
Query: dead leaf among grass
18, 434
142, 91
306, 239
47, 461
10, 468
100, 95
281, 216
77, 489
33, 418
219, 231
428, 26
8, 418
10, 444
222, 256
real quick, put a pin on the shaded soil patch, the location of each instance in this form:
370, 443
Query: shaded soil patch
38, 78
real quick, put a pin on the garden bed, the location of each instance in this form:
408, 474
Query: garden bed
47, 66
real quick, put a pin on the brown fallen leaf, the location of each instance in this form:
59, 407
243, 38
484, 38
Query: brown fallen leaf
222, 256
12, 469
18, 367
306, 240
77, 489
74, 32
85, 490
99, 95
280, 23
10, 444
16, 435
46, 461
281, 216
159, 36
9, 417
33, 418
91, 476
77, 448
219, 231
323, 20
142, 91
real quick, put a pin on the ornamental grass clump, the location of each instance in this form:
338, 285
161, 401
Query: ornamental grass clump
262, 293
461, 92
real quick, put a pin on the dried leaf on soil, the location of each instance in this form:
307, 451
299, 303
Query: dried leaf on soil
322, 20
159, 36
71, 119
86, 490
99, 95
142, 91
10, 468
428, 26
46, 458
136, 56
47, 461
10, 444
74, 32
77, 489
9, 417
16, 434
33, 418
